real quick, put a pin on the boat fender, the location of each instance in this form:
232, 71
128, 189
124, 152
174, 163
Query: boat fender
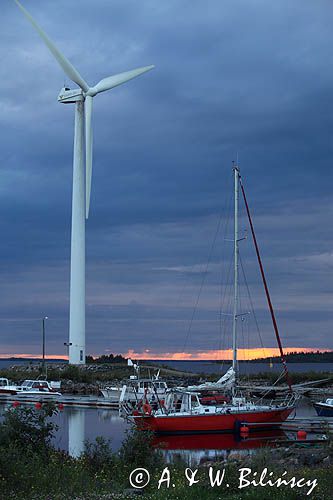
301, 435
147, 409
244, 431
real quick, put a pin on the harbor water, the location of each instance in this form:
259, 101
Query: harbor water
76, 426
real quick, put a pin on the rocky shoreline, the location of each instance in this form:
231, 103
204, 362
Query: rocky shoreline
90, 378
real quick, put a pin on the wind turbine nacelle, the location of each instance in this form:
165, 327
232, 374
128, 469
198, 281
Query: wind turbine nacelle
68, 96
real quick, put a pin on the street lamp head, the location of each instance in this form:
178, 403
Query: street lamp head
45, 317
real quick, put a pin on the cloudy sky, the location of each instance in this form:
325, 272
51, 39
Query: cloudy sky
252, 78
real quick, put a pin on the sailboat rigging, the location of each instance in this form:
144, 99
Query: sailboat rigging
185, 410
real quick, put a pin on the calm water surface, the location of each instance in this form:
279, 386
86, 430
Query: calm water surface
77, 425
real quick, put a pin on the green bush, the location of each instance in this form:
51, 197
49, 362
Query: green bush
31, 469
98, 455
137, 451
28, 429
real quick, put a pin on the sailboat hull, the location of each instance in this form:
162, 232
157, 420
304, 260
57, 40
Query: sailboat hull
196, 424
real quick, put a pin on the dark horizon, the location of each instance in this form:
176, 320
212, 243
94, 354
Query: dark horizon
288, 356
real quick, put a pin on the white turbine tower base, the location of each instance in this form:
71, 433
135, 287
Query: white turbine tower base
83, 100
77, 316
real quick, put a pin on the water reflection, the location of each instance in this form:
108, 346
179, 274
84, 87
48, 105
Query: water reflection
202, 447
87, 424
76, 434
77, 425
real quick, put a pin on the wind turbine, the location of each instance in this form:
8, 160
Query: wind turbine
83, 99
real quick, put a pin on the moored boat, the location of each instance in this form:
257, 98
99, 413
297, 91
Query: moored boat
324, 409
183, 413
30, 388
186, 411
6, 388
136, 388
41, 388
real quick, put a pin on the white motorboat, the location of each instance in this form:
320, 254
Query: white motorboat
135, 388
41, 388
6, 388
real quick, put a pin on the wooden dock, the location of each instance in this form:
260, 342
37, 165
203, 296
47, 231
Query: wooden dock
65, 401
322, 425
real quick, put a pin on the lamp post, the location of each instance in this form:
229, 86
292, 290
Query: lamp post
43, 330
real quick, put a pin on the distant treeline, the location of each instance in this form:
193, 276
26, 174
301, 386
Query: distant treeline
292, 357
110, 358
301, 357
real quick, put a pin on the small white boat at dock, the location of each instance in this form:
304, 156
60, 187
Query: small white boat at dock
38, 388
324, 408
41, 388
135, 389
6, 388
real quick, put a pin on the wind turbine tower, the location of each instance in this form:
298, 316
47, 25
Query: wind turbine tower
82, 98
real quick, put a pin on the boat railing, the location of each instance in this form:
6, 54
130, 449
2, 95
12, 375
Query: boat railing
284, 401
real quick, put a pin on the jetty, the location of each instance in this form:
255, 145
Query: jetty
62, 401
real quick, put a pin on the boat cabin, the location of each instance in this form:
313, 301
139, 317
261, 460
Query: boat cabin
4, 382
142, 385
36, 385
182, 401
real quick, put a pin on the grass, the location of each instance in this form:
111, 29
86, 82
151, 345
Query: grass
32, 469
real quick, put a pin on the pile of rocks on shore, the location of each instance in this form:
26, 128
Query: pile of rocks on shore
288, 458
69, 386
35, 367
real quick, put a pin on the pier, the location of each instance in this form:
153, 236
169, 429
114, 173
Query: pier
74, 401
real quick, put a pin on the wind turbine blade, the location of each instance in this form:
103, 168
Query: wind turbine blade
68, 68
89, 140
115, 80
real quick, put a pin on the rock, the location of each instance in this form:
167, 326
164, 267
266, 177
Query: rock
327, 461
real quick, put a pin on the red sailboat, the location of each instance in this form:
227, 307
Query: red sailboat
186, 412
182, 413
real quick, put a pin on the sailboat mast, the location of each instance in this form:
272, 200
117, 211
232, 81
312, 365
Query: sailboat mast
235, 312
283, 359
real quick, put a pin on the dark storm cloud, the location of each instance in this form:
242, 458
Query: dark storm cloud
231, 76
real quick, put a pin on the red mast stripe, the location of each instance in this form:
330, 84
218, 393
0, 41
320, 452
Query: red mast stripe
283, 359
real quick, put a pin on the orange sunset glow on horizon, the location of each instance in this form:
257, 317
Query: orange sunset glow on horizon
243, 354
33, 356
146, 354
